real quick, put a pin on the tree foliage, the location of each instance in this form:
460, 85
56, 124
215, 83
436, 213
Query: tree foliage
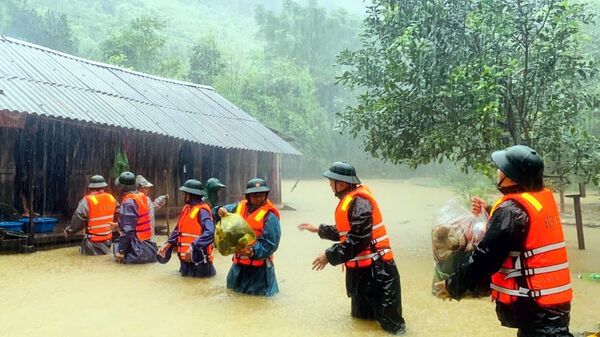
206, 62
137, 45
455, 80
282, 96
311, 36
51, 29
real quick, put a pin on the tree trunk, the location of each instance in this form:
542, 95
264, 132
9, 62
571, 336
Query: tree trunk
511, 121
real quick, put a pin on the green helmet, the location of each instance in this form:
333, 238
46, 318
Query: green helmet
97, 181
126, 182
256, 185
193, 186
214, 184
522, 165
342, 171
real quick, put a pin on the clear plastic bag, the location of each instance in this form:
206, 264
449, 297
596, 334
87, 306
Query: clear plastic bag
456, 229
454, 236
233, 233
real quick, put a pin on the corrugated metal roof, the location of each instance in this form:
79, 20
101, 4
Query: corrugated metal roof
41, 81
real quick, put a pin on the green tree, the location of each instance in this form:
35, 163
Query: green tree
282, 97
455, 80
136, 46
3, 16
52, 29
205, 62
172, 67
311, 37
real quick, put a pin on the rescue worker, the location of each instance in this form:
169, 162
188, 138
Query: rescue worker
372, 278
144, 187
523, 251
94, 215
194, 235
213, 187
133, 218
252, 271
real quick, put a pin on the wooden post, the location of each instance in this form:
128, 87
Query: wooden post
578, 222
578, 217
30, 225
582, 190
166, 174
562, 198
31, 138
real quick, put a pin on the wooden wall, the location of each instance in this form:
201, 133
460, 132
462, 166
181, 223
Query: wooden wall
67, 153
7, 171
245, 165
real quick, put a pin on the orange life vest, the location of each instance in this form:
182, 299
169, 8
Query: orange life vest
190, 229
256, 220
143, 228
542, 263
380, 243
101, 213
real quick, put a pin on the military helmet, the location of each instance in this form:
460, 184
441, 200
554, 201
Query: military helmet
342, 171
97, 181
256, 185
214, 184
522, 165
193, 186
126, 182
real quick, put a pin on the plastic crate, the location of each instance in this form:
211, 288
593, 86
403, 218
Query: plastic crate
42, 225
12, 226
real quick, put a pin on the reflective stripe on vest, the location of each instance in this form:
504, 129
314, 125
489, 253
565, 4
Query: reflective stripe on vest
512, 272
143, 228
256, 220
374, 228
190, 229
101, 212
372, 256
100, 218
379, 245
525, 292
542, 264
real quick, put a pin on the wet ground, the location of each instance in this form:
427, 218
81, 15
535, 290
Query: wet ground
61, 293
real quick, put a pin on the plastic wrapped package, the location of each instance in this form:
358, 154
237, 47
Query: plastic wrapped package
233, 233
454, 236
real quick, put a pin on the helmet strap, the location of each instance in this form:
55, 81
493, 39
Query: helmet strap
499, 184
508, 189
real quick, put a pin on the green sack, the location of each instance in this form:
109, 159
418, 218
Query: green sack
233, 233
443, 269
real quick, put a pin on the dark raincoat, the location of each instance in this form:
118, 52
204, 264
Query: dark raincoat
128, 244
507, 231
78, 223
374, 290
256, 280
200, 266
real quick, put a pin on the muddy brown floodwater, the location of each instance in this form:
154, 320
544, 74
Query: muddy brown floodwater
61, 293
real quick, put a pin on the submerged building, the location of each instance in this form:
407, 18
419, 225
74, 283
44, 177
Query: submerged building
64, 118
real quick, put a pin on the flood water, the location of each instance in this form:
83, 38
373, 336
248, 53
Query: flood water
62, 293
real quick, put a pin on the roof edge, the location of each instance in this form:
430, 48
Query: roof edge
105, 126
